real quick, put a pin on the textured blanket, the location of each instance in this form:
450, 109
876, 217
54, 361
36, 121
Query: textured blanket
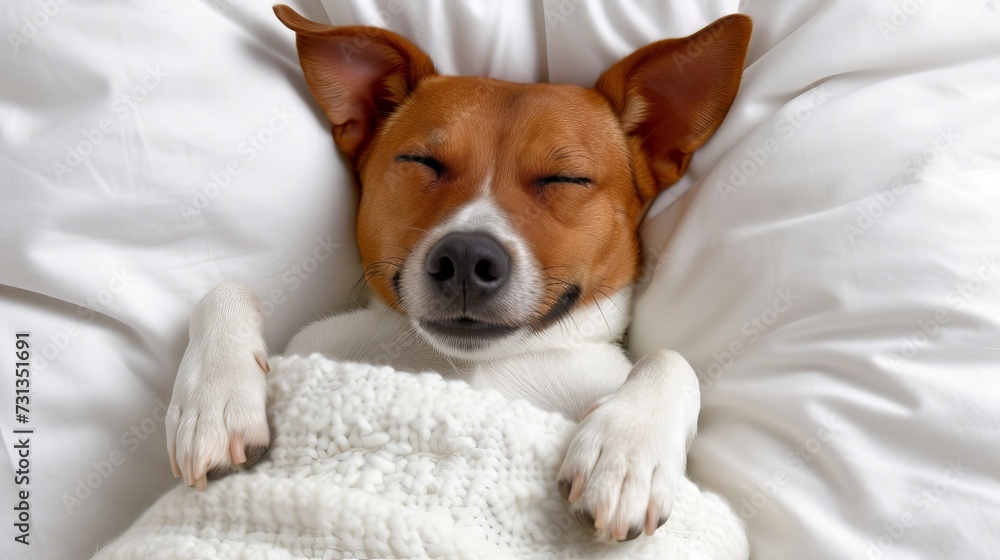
368, 462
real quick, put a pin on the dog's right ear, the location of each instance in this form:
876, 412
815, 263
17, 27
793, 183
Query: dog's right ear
359, 75
672, 95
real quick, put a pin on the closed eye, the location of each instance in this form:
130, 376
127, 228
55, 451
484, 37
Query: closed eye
430, 162
546, 181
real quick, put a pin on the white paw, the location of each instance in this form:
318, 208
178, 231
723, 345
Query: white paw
622, 469
217, 418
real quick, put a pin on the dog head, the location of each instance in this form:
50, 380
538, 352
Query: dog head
490, 210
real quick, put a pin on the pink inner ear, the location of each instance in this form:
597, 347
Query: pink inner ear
353, 77
686, 87
344, 74
685, 115
356, 74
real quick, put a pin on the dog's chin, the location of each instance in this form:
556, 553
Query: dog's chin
469, 339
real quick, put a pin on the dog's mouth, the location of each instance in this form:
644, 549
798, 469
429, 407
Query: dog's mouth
467, 328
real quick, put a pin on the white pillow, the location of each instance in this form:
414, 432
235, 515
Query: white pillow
834, 277
213, 164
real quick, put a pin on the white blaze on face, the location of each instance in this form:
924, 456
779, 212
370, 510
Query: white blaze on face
514, 304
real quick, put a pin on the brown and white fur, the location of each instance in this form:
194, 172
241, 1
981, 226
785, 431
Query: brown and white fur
498, 224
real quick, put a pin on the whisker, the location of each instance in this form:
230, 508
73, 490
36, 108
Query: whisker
606, 287
407, 249
394, 305
369, 272
598, 290
363, 281
611, 334
421, 230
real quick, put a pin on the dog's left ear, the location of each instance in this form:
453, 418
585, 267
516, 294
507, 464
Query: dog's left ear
359, 75
672, 95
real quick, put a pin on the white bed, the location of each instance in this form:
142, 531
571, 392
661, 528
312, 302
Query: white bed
830, 265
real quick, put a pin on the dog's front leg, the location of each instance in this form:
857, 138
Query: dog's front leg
623, 466
217, 418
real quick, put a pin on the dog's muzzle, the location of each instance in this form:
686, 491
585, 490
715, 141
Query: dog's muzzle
467, 272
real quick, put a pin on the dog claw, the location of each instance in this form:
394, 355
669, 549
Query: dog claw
236, 450
633, 532
576, 489
564, 488
262, 363
251, 454
254, 453
585, 518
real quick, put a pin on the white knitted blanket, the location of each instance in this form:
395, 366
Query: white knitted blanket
368, 462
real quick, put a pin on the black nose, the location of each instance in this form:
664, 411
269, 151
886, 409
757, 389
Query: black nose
470, 265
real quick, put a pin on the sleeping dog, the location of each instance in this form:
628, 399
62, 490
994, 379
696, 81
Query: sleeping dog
498, 224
